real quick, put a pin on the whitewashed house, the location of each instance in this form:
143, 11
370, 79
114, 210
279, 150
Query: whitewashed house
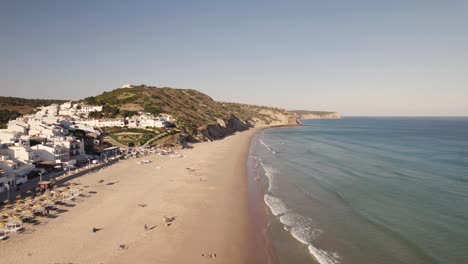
15, 172
86, 109
16, 161
48, 110
8, 137
111, 122
166, 117
67, 109
17, 125
154, 122
128, 86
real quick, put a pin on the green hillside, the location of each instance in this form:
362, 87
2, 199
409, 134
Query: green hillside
198, 116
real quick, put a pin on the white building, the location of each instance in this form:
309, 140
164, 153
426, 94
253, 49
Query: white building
52, 153
17, 125
48, 110
155, 122
166, 117
86, 109
14, 172
15, 163
67, 109
148, 120
18, 152
47, 131
111, 122
128, 86
8, 137
60, 150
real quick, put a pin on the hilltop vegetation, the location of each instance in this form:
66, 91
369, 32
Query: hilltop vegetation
7, 115
25, 106
305, 114
198, 116
189, 107
12, 107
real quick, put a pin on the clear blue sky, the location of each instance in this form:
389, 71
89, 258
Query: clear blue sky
357, 57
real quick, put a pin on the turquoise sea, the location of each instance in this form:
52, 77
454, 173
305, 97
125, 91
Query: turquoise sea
367, 190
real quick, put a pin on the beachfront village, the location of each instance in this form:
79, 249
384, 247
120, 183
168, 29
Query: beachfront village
53, 140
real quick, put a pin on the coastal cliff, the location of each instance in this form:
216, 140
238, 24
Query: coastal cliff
198, 117
304, 114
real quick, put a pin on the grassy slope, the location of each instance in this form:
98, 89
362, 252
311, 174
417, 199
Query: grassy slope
198, 115
191, 108
25, 106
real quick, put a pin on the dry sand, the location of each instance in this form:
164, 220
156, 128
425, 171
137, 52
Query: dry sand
209, 203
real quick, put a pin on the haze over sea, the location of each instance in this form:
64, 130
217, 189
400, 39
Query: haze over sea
368, 190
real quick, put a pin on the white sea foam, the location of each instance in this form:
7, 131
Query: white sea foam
269, 168
304, 230
266, 146
276, 205
322, 256
301, 228
270, 172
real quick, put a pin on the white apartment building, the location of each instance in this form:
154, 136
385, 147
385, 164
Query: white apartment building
86, 109
47, 131
118, 122
155, 122
18, 125
166, 117
60, 149
15, 163
13, 172
8, 137
51, 153
48, 110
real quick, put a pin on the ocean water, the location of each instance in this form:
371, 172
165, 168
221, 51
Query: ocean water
367, 190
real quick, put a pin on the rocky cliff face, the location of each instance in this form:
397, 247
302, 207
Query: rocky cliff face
252, 116
303, 114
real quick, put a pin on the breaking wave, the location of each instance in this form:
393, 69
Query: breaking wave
302, 228
270, 172
322, 256
277, 206
267, 147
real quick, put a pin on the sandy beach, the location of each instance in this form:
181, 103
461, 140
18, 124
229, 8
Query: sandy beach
209, 202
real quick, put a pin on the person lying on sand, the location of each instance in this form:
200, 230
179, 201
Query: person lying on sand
96, 229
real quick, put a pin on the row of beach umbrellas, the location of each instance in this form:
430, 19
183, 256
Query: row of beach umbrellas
25, 209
